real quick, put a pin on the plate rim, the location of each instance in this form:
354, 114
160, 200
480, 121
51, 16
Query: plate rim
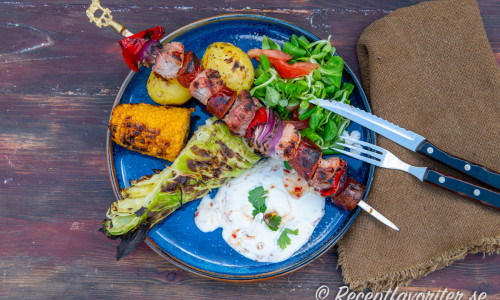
218, 276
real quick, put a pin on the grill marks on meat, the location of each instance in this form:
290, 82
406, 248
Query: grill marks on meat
351, 195
205, 85
241, 113
288, 143
306, 159
220, 103
325, 174
169, 61
190, 69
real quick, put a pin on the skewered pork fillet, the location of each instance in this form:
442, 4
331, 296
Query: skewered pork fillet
206, 84
169, 61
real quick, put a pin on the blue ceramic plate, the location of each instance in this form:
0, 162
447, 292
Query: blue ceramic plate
177, 238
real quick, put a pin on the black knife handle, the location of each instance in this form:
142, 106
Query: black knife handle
478, 172
466, 189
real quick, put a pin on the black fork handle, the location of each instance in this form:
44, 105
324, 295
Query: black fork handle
474, 192
485, 175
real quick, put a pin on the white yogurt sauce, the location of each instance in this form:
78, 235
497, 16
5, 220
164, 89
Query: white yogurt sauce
251, 237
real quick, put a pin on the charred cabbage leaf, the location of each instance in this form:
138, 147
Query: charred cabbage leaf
211, 157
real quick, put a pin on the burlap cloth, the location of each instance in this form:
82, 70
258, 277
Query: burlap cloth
428, 68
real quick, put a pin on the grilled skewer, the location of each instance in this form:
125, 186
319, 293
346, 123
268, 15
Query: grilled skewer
268, 136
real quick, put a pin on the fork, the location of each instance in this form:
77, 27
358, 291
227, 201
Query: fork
380, 157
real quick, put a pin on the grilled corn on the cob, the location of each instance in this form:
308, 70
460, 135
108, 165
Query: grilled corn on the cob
159, 131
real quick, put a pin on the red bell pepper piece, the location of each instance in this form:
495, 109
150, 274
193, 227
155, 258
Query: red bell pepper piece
259, 118
333, 190
132, 45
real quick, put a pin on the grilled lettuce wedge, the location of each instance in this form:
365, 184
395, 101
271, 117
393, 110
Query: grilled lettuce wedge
211, 157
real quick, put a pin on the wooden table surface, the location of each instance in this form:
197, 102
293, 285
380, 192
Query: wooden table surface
59, 77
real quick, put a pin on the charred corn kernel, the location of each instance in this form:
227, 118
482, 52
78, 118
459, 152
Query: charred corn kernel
159, 131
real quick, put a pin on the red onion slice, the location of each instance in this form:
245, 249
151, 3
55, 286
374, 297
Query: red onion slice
254, 141
274, 139
267, 128
148, 52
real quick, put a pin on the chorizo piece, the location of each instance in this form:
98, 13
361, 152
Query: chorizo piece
306, 159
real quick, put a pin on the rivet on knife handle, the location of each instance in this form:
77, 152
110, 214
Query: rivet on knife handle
481, 173
469, 190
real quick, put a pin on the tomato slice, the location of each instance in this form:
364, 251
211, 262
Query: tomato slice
280, 60
276, 54
287, 70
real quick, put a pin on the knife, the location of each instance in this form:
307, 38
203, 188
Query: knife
411, 140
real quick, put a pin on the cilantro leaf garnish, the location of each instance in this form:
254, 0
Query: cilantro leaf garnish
257, 197
272, 220
284, 240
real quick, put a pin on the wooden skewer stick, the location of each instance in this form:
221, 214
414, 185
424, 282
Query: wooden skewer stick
366, 207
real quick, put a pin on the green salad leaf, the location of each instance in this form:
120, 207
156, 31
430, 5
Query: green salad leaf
325, 82
269, 45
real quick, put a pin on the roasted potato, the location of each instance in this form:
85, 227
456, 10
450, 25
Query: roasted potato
233, 64
167, 92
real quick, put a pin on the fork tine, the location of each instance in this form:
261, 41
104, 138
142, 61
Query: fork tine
362, 143
347, 138
357, 156
364, 151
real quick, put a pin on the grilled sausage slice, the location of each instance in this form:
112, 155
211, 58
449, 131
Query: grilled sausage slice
351, 195
306, 159
190, 69
220, 103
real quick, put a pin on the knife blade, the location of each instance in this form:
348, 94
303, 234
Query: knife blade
411, 141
